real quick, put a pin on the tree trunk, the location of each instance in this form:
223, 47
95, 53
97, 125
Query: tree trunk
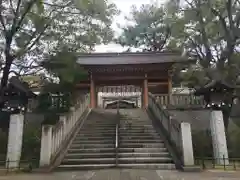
5, 77
6, 71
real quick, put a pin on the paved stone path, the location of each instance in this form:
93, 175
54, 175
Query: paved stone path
126, 175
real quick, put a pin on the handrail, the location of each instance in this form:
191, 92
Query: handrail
170, 126
176, 133
67, 123
117, 134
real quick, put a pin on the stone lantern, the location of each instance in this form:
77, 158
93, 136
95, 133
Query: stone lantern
218, 96
16, 96
15, 101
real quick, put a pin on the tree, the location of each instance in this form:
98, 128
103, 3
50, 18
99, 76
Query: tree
64, 68
211, 35
207, 31
149, 28
32, 28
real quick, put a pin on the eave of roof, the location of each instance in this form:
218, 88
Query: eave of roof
131, 58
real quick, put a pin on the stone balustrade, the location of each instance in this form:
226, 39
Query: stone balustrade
179, 134
53, 137
179, 100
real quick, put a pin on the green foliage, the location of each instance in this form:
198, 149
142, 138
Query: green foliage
63, 65
210, 34
59, 97
3, 142
234, 142
49, 103
31, 143
30, 29
149, 28
202, 144
207, 31
51, 117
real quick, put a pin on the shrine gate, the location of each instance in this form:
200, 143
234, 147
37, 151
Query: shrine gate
149, 71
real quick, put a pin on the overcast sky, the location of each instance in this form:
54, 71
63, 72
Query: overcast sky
124, 6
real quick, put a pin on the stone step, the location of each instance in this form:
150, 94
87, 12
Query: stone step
89, 161
97, 130
85, 166
137, 130
127, 119
140, 145
90, 155
133, 125
126, 138
158, 166
87, 141
136, 124
138, 136
134, 160
102, 121
142, 150
88, 146
99, 124
136, 154
96, 135
91, 150
134, 119
141, 141
96, 138
113, 155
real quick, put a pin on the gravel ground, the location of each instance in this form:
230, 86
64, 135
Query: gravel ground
116, 174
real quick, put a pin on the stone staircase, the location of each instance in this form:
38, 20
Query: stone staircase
140, 146
94, 145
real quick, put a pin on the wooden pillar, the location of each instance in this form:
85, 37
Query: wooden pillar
145, 92
92, 93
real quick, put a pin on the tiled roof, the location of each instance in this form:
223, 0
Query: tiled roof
130, 58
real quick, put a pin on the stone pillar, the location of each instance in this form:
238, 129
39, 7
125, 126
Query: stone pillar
187, 147
63, 119
92, 93
145, 92
219, 142
46, 145
15, 136
170, 87
100, 99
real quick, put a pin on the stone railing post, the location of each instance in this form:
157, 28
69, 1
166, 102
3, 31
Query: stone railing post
63, 120
187, 147
15, 136
219, 141
46, 145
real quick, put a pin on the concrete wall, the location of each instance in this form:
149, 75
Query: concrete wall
199, 119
